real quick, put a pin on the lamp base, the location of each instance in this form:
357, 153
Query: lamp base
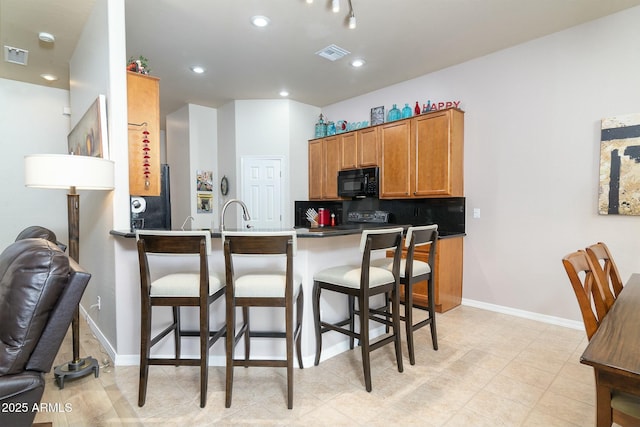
76, 369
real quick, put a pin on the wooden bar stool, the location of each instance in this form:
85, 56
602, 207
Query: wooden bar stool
363, 282
271, 286
192, 289
413, 271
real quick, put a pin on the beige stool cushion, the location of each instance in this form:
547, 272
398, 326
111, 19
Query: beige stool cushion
349, 276
264, 286
183, 285
419, 267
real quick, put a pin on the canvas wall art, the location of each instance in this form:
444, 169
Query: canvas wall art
619, 192
89, 136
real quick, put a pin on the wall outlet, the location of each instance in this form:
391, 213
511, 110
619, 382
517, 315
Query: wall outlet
99, 302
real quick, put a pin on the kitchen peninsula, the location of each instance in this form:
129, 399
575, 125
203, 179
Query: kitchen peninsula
317, 249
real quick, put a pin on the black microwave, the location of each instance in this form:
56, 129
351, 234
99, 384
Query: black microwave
358, 183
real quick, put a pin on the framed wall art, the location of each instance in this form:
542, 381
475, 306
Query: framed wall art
89, 136
619, 187
377, 115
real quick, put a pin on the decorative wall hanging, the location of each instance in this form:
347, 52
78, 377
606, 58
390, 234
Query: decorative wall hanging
89, 136
204, 180
619, 191
205, 203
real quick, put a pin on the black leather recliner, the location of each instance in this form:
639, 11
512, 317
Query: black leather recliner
40, 289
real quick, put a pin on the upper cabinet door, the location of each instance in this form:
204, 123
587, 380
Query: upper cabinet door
368, 147
316, 169
143, 112
395, 151
349, 150
438, 154
331, 158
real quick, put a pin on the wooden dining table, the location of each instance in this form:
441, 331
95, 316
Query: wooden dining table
614, 350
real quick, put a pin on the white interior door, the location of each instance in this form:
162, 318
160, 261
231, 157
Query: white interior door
261, 191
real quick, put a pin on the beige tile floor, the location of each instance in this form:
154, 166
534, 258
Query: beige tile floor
491, 369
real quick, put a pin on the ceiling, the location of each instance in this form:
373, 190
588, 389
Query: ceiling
399, 40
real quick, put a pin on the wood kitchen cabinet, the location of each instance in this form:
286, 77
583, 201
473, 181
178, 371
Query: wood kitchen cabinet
324, 164
359, 149
143, 113
395, 160
423, 156
438, 156
448, 274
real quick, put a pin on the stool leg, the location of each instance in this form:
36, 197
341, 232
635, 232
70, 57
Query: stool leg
316, 320
247, 333
145, 339
299, 311
352, 318
408, 319
289, 343
204, 352
395, 300
230, 347
363, 305
176, 331
432, 313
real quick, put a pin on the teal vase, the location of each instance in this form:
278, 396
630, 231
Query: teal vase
406, 111
394, 114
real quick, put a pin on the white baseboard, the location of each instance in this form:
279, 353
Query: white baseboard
573, 324
106, 345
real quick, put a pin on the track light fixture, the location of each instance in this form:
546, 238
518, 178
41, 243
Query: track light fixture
335, 6
352, 17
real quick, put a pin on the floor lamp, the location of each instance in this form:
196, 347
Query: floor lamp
69, 172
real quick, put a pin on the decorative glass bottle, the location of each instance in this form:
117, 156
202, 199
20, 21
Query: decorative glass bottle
331, 128
394, 114
416, 110
321, 128
406, 111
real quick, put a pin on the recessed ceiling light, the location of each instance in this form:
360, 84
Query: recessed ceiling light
49, 77
197, 69
46, 37
260, 21
284, 93
357, 63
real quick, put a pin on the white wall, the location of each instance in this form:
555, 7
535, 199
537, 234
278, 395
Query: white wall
96, 67
531, 157
32, 122
278, 128
178, 158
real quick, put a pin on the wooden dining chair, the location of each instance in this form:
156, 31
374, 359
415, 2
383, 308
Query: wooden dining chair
362, 282
587, 286
606, 269
197, 288
254, 284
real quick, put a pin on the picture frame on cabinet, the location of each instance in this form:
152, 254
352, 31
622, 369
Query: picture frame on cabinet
89, 135
377, 115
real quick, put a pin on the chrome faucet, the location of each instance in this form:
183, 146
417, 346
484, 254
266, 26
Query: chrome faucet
245, 212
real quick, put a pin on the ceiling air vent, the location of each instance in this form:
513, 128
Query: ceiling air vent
332, 52
15, 55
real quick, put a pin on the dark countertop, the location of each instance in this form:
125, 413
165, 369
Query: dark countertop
340, 230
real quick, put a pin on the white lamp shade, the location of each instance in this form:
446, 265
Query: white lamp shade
65, 171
